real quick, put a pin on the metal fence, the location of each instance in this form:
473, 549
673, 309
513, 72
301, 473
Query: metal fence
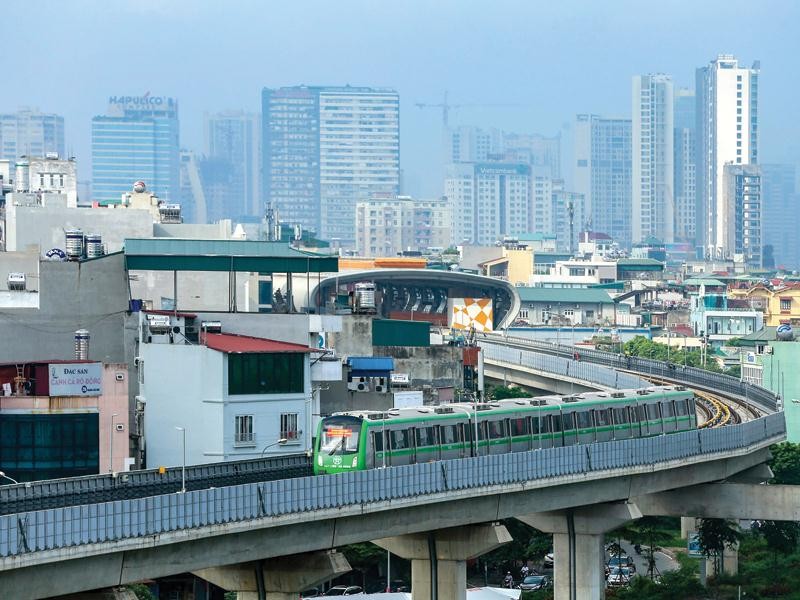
125, 519
725, 384
54, 493
567, 367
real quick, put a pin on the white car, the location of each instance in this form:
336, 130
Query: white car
619, 577
548, 560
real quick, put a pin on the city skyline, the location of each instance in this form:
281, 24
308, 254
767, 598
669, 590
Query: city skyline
594, 76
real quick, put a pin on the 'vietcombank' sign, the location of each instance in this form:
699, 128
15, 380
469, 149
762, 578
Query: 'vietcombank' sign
76, 379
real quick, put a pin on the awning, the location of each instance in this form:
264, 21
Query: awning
370, 366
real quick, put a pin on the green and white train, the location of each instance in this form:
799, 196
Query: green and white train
356, 440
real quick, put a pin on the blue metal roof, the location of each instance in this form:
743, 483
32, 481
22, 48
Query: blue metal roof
371, 366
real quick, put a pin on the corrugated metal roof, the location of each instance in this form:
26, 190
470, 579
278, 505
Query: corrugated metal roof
175, 254
564, 295
244, 344
703, 281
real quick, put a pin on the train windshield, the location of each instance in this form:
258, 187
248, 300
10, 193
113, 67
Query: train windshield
340, 435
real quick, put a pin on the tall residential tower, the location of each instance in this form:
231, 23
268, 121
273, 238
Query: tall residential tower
727, 134
235, 137
603, 174
652, 176
326, 148
684, 164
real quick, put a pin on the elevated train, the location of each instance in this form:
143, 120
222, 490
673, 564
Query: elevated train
357, 440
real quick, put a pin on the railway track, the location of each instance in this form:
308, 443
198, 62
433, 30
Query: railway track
716, 410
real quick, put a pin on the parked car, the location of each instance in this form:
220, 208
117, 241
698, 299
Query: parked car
619, 577
620, 561
310, 593
344, 590
548, 560
534, 582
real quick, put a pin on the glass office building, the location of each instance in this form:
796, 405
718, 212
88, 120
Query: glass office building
136, 140
29, 132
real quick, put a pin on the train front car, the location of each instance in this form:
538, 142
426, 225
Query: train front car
340, 447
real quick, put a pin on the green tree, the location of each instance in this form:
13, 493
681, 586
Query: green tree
714, 535
785, 463
501, 392
781, 536
141, 591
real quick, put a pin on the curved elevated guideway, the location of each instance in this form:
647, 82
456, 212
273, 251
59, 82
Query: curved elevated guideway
575, 492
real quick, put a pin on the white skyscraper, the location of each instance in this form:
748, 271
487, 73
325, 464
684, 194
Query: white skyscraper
652, 175
727, 134
685, 188
488, 201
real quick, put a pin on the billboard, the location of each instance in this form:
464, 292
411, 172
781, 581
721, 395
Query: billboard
468, 313
76, 379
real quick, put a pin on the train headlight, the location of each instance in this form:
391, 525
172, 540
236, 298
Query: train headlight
355, 461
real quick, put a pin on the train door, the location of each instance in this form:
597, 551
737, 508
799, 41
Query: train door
668, 415
602, 424
380, 455
636, 424
622, 424
654, 424
570, 432
401, 445
449, 441
556, 424
545, 431
497, 438
520, 434
585, 427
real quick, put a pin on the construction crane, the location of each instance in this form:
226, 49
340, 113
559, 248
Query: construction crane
447, 107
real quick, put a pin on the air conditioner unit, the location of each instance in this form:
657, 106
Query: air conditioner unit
120, 427
353, 386
362, 387
380, 388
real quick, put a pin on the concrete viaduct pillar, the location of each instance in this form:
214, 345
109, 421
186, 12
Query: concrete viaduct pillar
578, 546
439, 558
282, 578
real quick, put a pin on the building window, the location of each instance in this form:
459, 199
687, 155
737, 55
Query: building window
243, 434
786, 304
289, 430
267, 373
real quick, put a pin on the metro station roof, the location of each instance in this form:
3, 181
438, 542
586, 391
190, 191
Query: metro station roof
176, 254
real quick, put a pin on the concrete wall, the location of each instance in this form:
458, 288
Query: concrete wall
44, 226
26, 261
187, 386
437, 366
182, 386
91, 295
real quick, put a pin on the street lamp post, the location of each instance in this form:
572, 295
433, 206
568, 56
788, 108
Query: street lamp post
183, 463
111, 445
11, 479
279, 442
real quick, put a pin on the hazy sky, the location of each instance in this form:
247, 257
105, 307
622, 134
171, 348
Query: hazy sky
552, 58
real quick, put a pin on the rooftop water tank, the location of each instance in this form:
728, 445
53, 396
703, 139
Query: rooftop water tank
94, 246
82, 344
74, 244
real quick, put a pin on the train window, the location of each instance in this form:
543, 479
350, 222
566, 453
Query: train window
449, 434
556, 423
584, 420
468, 429
519, 426
667, 409
497, 430
535, 421
399, 439
481, 431
653, 412
568, 420
601, 417
377, 438
681, 409
426, 436
620, 416
641, 413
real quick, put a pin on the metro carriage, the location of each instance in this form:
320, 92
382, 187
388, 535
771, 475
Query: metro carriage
357, 440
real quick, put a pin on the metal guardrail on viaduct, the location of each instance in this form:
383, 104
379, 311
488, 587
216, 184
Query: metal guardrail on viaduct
71, 527
70, 533
498, 346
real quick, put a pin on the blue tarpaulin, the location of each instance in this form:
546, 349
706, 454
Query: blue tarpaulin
370, 366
